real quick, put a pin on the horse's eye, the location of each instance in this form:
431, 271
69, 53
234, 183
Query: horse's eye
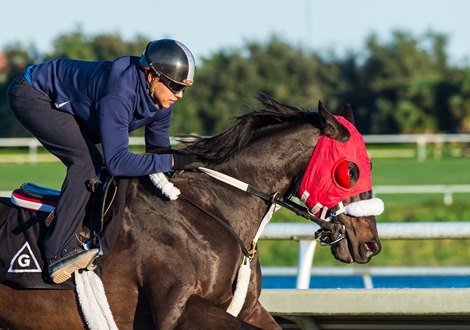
346, 174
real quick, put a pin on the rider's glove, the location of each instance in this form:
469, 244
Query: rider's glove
186, 162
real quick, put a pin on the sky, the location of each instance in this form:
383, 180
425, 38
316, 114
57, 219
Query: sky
207, 26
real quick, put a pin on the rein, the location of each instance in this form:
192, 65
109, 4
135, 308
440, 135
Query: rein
328, 229
248, 254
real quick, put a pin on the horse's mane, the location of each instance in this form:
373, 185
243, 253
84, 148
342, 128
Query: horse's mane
223, 146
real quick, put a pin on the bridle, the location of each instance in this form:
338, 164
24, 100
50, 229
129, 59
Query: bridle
331, 230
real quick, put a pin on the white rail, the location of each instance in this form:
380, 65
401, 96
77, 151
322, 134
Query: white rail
420, 140
447, 190
416, 138
303, 233
373, 270
387, 231
370, 138
368, 272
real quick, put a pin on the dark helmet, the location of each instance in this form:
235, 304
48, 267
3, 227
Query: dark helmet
169, 58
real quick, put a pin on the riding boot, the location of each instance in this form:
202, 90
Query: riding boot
81, 257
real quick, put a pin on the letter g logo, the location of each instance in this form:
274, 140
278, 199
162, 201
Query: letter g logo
24, 260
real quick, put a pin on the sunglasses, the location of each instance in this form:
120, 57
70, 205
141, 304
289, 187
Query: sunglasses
170, 84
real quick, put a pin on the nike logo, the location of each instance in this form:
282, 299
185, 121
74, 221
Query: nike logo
60, 105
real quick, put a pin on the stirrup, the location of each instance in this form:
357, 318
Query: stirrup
93, 243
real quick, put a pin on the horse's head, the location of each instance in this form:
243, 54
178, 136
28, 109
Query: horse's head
337, 187
269, 147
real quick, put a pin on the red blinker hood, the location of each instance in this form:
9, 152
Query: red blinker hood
319, 184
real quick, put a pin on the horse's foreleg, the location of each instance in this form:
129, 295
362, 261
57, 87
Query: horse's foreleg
200, 314
253, 312
259, 316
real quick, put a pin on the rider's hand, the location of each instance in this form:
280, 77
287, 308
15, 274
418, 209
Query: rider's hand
186, 162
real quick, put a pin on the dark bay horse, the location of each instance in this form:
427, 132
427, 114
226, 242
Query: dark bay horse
173, 266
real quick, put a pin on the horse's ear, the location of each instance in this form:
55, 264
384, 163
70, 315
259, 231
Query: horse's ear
347, 113
331, 126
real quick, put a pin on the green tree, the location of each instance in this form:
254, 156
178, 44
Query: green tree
403, 85
227, 82
74, 45
459, 102
77, 45
19, 57
406, 84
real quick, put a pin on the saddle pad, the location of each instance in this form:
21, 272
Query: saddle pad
40, 192
22, 231
21, 199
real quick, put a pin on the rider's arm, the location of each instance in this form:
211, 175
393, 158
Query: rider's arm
115, 115
157, 133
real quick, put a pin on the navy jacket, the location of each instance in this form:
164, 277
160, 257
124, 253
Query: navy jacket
109, 99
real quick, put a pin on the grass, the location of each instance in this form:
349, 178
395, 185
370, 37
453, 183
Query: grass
45, 174
412, 171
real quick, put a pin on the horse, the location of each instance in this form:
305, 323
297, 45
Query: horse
172, 266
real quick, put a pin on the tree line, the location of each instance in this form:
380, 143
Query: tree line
404, 85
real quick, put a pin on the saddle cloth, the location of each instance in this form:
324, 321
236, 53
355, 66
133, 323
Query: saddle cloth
23, 228
21, 257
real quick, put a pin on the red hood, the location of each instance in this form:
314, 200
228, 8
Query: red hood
319, 185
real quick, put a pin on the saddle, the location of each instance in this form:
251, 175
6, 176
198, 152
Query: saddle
22, 261
33, 197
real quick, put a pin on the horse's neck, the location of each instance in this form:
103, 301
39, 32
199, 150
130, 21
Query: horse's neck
267, 167
242, 210
271, 167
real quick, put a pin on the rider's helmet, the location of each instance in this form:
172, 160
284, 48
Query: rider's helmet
172, 60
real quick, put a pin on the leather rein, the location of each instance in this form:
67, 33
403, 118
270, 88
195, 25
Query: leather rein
330, 232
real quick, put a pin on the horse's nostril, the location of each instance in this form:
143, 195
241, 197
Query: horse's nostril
370, 248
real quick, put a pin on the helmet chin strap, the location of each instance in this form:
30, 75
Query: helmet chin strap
151, 89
